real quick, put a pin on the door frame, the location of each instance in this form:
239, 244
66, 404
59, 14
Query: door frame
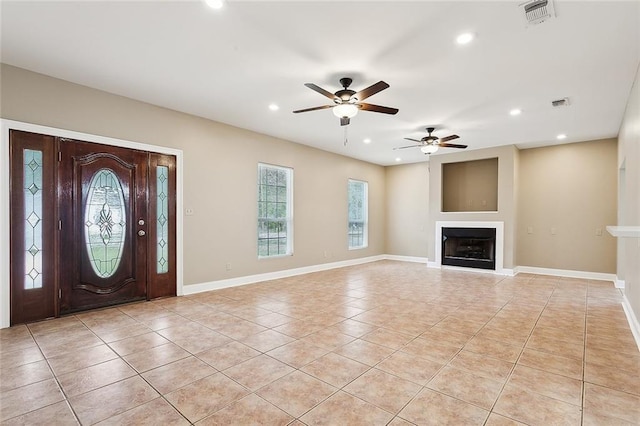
5, 127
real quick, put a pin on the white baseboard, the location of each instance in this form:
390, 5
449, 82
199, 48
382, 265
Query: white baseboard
250, 279
619, 284
565, 273
632, 319
507, 272
407, 258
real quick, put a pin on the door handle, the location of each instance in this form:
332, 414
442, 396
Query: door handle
141, 233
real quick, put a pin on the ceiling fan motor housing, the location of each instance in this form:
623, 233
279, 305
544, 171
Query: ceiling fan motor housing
345, 95
430, 139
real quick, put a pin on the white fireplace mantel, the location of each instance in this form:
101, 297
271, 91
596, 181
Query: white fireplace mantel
498, 226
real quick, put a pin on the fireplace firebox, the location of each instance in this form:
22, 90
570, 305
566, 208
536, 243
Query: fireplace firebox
469, 247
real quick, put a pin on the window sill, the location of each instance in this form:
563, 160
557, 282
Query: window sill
277, 256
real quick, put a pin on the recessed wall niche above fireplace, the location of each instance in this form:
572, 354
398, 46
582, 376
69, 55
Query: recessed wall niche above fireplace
474, 244
470, 186
469, 247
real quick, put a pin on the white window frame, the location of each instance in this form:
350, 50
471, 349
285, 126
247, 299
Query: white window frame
365, 222
288, 220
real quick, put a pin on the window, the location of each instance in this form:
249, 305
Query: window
33, 213
275, 211
358, 214
162, 219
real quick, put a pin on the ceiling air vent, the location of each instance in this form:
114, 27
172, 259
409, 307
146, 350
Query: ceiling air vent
537, 11
560, 102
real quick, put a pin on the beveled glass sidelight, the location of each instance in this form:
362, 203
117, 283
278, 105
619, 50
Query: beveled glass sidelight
105, 222
162, 219
32, 166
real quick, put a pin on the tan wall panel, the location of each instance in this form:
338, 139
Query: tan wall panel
470, 186
407, 209
567, 193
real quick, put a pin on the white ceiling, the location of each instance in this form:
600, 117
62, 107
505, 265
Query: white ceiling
230, 64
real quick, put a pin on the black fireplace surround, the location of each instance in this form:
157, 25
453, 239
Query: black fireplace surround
469, 247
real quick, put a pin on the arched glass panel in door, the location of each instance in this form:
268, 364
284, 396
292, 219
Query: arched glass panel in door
105, 222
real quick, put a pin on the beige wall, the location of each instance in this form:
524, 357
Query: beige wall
629, 197
507, 161
220, 168
470, 186
536, 189
566, 196
220, 163
407, 210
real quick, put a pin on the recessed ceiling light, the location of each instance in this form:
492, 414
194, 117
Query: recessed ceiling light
367, 140
464, 38
274, 107
214, 4
561, 136
515, 111
398, 159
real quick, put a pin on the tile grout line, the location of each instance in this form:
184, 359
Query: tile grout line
64, 394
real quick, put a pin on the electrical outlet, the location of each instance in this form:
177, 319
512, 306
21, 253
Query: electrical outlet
599, 232
228, 266
188, 212
529, 229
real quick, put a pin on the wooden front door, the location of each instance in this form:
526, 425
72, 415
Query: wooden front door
103, 224
91, 226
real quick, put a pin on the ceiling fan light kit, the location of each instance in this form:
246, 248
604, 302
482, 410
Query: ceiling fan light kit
345, 110
429, 149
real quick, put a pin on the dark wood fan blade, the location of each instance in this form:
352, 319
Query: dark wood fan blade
321, 90
415, 140
451, 145
408, 146
313, 109
449, 138
377, 108
344, 121
371, 90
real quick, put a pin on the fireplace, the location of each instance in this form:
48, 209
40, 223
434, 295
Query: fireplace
469, 247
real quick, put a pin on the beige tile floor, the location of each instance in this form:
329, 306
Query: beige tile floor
383, 343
